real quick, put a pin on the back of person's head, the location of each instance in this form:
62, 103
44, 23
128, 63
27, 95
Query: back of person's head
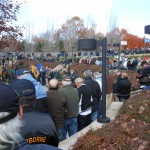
53, 84
124, 75
117, 72
78, 82
10, 122
87, 73
144, 62
26, 91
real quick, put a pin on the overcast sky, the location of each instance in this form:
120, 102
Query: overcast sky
132, 15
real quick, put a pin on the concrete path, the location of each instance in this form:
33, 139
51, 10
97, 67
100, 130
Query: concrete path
111, 113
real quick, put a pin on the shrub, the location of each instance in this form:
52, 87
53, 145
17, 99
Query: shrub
129, 131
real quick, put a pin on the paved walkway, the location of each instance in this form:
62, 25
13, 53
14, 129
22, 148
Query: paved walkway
111, 113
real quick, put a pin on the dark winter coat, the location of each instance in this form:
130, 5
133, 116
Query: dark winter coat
85, 98
56, 104
96, 92
39, 128
123, 88
71, 94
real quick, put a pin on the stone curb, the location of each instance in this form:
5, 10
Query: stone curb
112, 112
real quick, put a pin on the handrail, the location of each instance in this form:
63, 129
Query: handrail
132, 93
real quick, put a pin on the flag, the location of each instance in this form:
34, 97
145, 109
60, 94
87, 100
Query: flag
35, 71
39, 66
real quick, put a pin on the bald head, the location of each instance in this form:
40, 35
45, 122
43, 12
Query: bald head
53, 84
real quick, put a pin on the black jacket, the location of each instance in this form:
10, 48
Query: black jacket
96, 92
84, 97
145, 76
38, 128
123, 88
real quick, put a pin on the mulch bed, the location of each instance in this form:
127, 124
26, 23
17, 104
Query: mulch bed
80, 68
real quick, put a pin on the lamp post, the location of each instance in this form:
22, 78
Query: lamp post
119, 57
104, 119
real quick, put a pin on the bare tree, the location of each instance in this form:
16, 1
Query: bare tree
113, 31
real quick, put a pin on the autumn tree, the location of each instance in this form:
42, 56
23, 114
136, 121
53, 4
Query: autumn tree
38, 43
133, 41
71, 31
9, 31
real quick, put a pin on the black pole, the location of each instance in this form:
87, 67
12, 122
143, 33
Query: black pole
104, 119
119, 56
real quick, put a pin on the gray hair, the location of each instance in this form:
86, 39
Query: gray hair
87, 73
78, 80
10, 132
97, 74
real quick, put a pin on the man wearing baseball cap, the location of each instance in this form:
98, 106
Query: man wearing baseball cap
41, 96
38, 127
10, 122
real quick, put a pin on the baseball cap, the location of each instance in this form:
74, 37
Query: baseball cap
24, 88
21, 72
9, 102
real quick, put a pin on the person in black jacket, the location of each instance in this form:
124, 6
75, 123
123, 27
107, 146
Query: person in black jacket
96, 93
11, 121
144, 76
39, 128
123, 87
85, 109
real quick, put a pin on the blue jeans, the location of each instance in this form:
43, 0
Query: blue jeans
60, 134
99, 114
70, 127
121, 99
94, 116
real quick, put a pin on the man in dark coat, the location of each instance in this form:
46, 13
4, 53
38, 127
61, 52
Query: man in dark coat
85, 109
56, 104
96, 93
123, 87
144, 76
39, 128
72, 106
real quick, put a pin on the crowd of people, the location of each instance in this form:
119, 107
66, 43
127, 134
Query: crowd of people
31, 116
